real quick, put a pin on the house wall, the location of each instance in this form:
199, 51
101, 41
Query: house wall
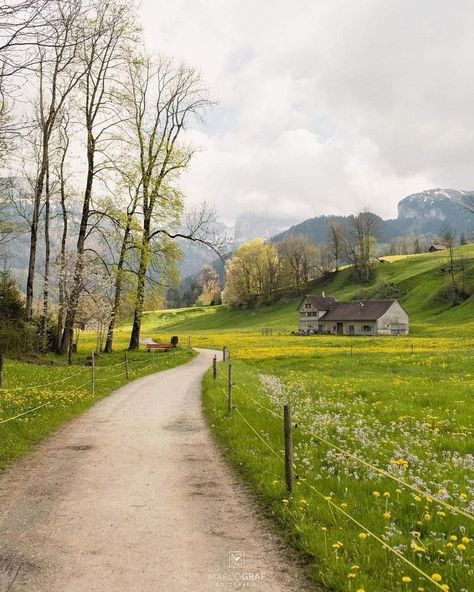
394, 322
309, 315
351, 327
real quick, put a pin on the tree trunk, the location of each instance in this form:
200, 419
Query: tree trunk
47, 255
81, 239
140, 296
117, 288
34, 238
62, 263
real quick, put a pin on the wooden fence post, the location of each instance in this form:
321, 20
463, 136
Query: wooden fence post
224, 353
214, 367
229, 388
288, 448
93, 373
126, 366
153, 356
412, 348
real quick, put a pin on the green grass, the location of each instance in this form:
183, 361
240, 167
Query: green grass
29, 385
384, 404
419, 278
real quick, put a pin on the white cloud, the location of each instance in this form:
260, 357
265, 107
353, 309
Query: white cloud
325, 105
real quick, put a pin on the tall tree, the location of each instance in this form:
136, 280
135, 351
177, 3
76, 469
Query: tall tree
252, 274
161, 99
298, 256
360, 242
103, 57
336, 240
58, 74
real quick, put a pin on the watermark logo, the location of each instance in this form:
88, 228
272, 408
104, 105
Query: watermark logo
236, 559
235, 577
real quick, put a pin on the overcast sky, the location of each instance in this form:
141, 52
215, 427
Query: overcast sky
325, 106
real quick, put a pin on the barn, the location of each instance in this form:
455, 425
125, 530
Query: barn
323, 314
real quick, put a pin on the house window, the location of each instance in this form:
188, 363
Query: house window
367, 329
308, 305
351, 330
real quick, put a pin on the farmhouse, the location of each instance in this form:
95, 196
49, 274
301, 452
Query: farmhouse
435, 248
323, 314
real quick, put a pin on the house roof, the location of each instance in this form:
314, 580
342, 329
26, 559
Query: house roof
438, 247
320, 302
358, 311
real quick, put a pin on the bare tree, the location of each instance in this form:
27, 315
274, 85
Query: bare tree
103, 55
360, 242
448, 239
161, 98
58, 75
336, 240
22, 31
298, 256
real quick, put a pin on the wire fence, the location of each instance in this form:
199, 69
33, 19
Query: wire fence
131, 366
349, 454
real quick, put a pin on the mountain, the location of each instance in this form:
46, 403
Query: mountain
423, 214
426, 212
250, 225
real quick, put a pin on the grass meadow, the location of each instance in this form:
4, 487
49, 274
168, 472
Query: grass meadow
384, 453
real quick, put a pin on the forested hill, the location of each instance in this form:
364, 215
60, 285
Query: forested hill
422, 214
419, 282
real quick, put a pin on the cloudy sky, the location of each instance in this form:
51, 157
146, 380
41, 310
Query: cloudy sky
325, 106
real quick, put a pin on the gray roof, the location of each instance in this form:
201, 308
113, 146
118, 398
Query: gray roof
358, 311
320, 302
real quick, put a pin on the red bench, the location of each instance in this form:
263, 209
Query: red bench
162, 346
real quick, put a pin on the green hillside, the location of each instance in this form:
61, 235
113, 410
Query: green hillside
419, 279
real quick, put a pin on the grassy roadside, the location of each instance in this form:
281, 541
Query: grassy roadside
409, 415
61, 392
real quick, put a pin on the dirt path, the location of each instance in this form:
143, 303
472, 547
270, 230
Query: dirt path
134, 496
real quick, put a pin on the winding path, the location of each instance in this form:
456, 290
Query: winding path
134, 496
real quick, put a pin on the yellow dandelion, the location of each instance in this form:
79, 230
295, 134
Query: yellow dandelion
387, 515
461, 547
375, 493
436, 577
362, 536
406, 579
465, 540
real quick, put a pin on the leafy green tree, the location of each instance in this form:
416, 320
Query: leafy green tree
253, 274
12, 307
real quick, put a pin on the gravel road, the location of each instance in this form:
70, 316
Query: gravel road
134, 496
